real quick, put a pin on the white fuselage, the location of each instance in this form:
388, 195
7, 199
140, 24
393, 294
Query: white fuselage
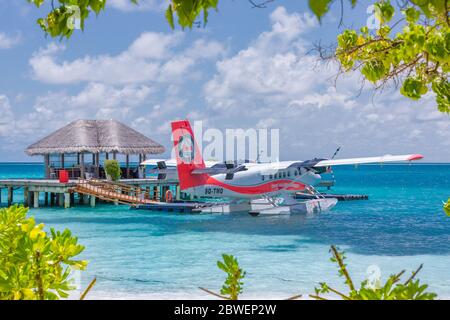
258, 180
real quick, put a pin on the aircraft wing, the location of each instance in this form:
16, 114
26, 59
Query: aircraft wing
382, 159
154, 162
171, 162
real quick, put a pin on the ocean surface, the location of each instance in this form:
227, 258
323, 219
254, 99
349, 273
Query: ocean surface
144, 254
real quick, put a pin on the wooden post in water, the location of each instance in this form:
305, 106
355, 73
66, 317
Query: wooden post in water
92, 201
85, 199
52, 199
36, 199
66, 200
46, 199
10, 196
25, 197
61, 199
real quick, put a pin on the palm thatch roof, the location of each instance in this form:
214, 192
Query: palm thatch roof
92, 136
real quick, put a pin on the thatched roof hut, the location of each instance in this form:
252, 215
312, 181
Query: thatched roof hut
95, 136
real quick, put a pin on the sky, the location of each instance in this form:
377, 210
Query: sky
248, 68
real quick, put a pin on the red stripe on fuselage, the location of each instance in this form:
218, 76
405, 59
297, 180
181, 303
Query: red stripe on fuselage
272, 186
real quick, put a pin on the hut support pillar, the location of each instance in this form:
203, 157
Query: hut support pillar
177, 193
47, 166
66, 200
147, 192
114, 155
10, 196
107, 155
36, 199
52, 199
25, 197
46, 199
144, 157
82, 165
158, 193
62, 160
92, 201
97, 165
127, 166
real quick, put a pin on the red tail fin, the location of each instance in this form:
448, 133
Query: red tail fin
188, 155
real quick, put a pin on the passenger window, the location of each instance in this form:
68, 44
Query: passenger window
288, 173
270, 177
262, 177
284, 174
296, 173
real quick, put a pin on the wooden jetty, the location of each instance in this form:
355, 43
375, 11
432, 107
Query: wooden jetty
54, 193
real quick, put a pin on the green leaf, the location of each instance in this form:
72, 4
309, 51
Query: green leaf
319, 7
442, 90
169, 16
374, 70
384, 11
414, 88
412, 15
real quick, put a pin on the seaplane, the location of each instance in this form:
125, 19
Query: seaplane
258, 188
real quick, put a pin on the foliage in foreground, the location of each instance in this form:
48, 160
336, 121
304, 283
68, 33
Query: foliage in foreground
112, 169
35, 265
393, 289
232, 286
447, 207
413, 51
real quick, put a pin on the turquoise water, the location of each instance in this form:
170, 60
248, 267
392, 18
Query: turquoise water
142, 254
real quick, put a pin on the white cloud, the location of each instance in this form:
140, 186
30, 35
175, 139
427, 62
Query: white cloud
273, 82
150, 58
143, 86
8, 41
55, 109
6, 115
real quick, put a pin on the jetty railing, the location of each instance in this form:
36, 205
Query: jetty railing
113, 192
